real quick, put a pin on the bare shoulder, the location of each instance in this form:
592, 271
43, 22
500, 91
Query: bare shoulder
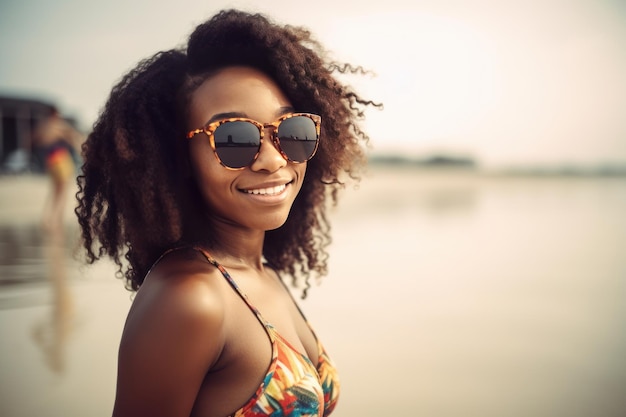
180, 290
174, 335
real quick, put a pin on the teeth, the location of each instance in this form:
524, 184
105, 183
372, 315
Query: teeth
268, 191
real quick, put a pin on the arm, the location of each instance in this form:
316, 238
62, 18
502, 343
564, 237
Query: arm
173, 335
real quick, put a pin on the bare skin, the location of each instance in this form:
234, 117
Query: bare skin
191, 346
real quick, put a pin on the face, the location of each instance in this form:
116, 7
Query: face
259, 196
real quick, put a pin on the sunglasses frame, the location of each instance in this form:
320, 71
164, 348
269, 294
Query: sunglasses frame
210, 129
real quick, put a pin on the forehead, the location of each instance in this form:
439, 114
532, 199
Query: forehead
241, 90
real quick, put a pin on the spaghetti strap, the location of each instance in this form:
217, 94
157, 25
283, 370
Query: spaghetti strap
292, 383
233, 284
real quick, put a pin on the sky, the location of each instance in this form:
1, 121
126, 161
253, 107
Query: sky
508, 82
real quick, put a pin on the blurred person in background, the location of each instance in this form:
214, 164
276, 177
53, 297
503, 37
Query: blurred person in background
207, 179
55, 140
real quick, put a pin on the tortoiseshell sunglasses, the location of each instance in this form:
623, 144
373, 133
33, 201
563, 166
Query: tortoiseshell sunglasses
236, 141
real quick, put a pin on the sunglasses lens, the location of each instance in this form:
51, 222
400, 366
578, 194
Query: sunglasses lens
236, 143
298, 138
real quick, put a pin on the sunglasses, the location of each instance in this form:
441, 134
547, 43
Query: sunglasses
236, 141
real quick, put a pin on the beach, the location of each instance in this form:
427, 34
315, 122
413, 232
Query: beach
450, 293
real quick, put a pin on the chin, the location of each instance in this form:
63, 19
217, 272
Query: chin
274, 222
275, 226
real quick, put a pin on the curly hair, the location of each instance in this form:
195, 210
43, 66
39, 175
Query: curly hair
134, 199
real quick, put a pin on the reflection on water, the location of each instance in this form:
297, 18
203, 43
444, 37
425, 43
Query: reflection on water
33, 271
60, 321
53, 331
21, 255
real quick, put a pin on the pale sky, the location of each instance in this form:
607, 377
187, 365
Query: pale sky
508, 81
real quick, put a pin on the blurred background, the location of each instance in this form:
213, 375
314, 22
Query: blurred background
479, 268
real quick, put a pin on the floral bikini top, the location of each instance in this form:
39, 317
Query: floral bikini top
292, 386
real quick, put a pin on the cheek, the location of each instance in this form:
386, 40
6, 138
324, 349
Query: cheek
301, 170
205, 171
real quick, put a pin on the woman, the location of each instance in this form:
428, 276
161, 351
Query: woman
210, 171
55, 140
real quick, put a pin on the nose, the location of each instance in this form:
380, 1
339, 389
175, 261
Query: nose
270, 159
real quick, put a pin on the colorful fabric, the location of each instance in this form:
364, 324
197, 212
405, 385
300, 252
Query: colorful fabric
292, 386
60, 164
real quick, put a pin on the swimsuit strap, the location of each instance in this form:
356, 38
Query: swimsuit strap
233, 284
292, 385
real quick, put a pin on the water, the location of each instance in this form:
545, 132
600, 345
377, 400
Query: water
482, 296
450, 294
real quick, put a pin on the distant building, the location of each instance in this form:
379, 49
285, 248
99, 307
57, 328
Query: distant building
18, 117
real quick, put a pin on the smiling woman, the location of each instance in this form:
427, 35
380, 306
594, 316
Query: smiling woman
211, 170
237, 194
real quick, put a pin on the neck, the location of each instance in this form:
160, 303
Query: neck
239, 248
230, 244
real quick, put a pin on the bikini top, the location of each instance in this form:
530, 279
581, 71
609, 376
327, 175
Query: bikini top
292, 386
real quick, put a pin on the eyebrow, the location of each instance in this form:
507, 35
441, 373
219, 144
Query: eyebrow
228, 115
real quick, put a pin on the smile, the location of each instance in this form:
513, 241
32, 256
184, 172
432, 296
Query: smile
267, 191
